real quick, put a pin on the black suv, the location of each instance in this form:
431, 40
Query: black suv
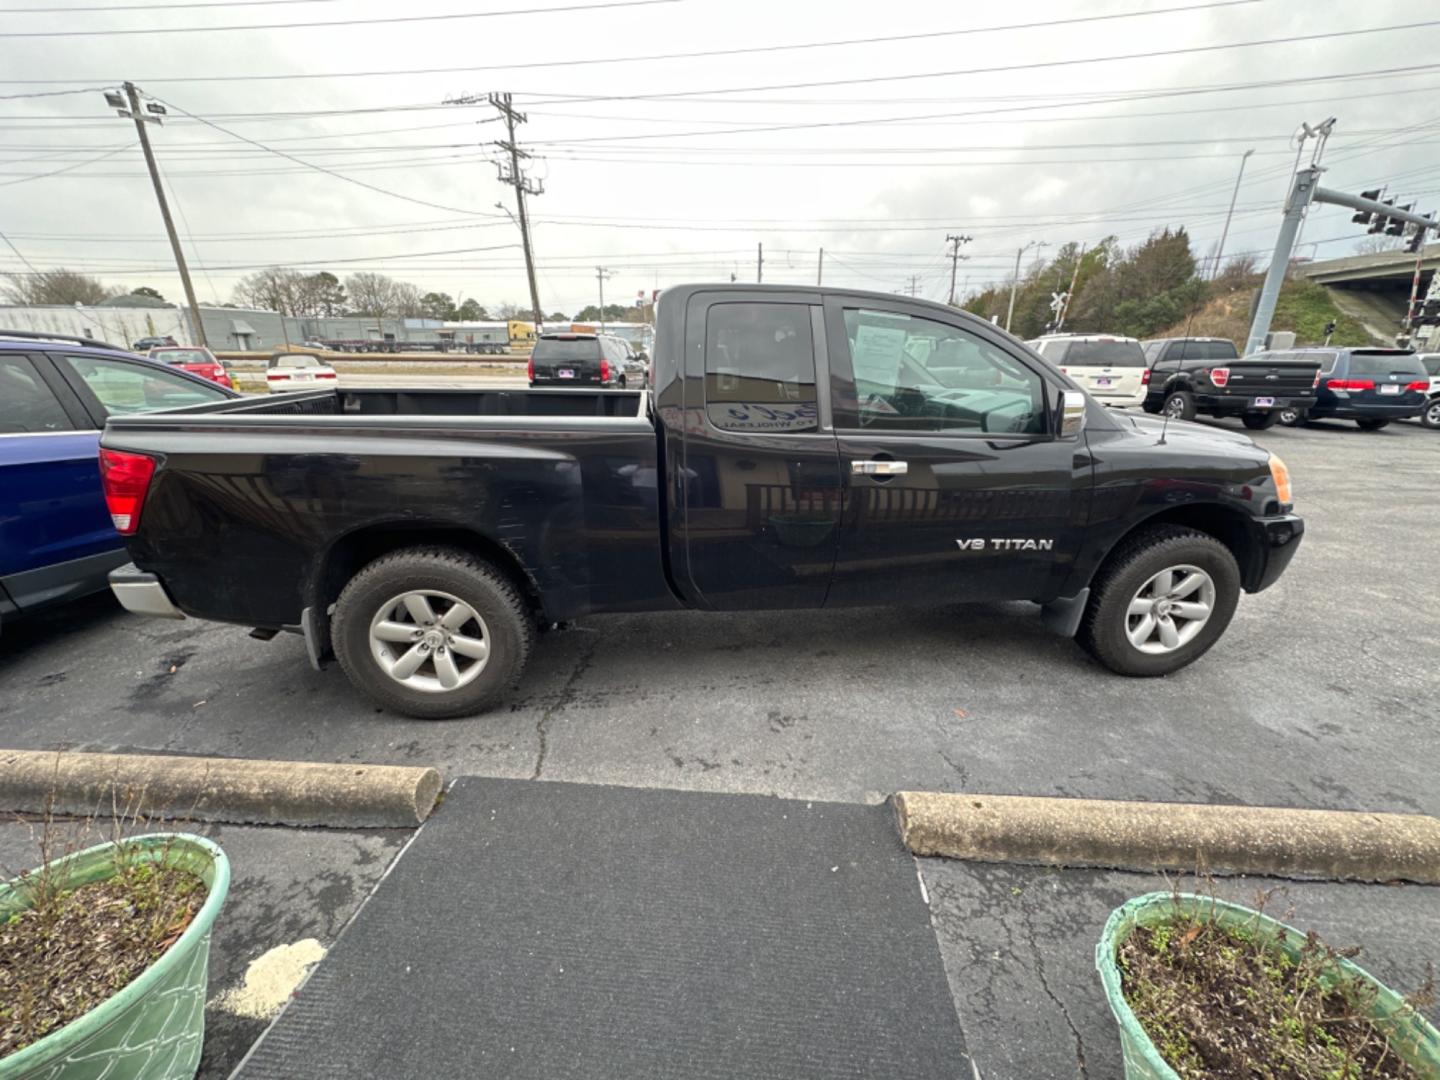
1189, 376
579, 360
1370, 386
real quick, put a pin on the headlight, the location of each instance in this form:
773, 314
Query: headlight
1281, 475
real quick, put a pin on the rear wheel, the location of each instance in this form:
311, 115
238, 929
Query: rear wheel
621, 384
1259, 421
1431, 416
1161, 600
432, 633
1179, 405
1371, 425
1290, 417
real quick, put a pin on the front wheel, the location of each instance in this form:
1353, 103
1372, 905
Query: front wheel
1259, 421
1179, 405
1431, 416
432, 633
1290, 417
1161, 600
1371, 425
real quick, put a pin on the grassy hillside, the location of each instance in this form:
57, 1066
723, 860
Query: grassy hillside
1304, 308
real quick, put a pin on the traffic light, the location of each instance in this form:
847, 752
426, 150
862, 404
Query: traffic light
1362, 217
1380, 219
1418, 240
1397, 225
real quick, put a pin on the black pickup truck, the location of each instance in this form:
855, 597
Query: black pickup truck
803, 448
1205, 375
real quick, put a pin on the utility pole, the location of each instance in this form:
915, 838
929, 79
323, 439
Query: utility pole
955, 257
1069, 296
820, 268
1015, 283
134, 112
600, 275
1220, 248
759, 262
912, 289
523, 186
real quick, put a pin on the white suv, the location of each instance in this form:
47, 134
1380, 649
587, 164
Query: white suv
1113, 369
1431, 416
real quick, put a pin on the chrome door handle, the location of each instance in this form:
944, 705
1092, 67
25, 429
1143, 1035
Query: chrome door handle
879, 468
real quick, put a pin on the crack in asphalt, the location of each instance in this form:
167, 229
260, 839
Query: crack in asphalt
567, 694
1045, 985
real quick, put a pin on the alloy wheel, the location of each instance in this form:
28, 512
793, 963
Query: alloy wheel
1170, 609
429, 640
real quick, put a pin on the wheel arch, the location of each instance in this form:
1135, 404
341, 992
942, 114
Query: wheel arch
353, 551
1231, 527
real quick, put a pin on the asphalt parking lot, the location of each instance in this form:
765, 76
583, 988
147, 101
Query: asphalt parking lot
1321, 694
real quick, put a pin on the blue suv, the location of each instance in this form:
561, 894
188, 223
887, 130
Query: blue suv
56, 539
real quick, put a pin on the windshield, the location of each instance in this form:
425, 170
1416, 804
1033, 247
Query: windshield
1385, 364
1104, 354
567, 349
184, 356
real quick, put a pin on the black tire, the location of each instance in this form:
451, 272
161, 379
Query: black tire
621, 383
1260, 421
1151, 407
1102, 630
479, 584
1371, 425
1179, 405
1431, 416
1290, 417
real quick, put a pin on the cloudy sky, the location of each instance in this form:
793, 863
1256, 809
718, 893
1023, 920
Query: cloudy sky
871, 130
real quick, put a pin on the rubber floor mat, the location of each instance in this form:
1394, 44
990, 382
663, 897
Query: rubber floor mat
546, 930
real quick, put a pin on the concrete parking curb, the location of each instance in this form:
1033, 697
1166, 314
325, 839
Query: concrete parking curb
236, 790
1183, 837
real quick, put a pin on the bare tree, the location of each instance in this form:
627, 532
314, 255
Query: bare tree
511, 310
1378, 243
56, 287
271, 289
408, 300
372, 294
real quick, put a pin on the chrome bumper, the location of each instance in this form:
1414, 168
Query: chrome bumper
142, 593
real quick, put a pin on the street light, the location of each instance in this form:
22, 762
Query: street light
1015, 282
1220, 248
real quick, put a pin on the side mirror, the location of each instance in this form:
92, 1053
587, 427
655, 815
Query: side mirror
1072, 414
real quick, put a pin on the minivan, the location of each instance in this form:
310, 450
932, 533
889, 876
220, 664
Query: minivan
1370, 386
1113, 369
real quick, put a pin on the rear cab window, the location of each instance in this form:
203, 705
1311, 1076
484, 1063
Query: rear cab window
1105, 354
760, 368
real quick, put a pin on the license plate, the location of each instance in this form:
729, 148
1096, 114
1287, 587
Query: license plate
1264, 402
303, 376
1104, 382
566, 373
1390, 388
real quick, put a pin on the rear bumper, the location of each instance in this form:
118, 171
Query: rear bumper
1277, 539
1233, 405
142, 593
1347, 410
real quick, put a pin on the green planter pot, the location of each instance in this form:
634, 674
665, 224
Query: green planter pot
1410, 1035
154, 1027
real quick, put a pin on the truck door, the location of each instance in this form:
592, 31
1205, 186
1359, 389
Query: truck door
955, 486
758, 482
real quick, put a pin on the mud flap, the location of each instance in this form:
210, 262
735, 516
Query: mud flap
1063, 615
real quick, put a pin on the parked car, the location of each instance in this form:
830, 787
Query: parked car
296, 371
568, 359
1431, 416
635, 368
196, 360
1191, 376
1112, 368
795, 453
1370, 386
57, 539
145, 344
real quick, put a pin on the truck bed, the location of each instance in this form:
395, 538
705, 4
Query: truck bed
295, 491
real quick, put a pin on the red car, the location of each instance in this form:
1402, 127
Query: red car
194, 359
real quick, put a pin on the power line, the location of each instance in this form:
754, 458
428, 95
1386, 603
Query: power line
650, 58
340, 22
1069, 62
160, 7
68, 168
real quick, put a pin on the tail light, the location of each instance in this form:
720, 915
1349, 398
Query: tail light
224, 380
1315, 382
1220, 376
276, 376
604, 370
326, 375
1145, 377
530, 369
1419, 384
1350, 384
126, 479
